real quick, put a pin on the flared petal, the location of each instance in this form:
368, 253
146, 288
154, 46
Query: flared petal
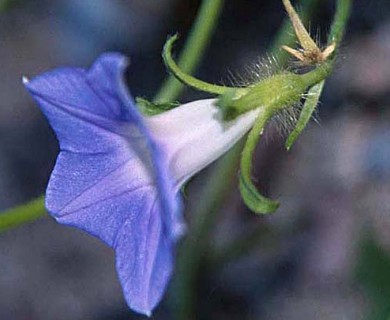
153, 253
194, 135
111, 179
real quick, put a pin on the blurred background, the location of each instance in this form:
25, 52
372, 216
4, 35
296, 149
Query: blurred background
324, 255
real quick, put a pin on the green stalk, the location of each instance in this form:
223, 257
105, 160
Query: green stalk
22, 214
343, 11
194, 49
185, 78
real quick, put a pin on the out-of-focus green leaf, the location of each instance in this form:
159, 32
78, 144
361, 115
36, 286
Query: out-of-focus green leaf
7, 4
374, 273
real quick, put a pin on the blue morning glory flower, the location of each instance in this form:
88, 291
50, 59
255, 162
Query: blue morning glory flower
119, 173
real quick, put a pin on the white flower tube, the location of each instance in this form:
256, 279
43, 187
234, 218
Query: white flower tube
194, 135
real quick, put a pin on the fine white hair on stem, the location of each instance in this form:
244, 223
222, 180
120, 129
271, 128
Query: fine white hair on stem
285, 120
255, 72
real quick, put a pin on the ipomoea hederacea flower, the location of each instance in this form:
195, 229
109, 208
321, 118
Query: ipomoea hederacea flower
119, 173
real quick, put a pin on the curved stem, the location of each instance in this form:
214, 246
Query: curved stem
252, 198
194, 48
185, 78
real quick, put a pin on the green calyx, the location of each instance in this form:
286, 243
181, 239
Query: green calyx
150, 109
273, 93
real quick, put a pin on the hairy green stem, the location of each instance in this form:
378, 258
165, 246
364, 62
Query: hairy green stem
343, 8
194, 48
